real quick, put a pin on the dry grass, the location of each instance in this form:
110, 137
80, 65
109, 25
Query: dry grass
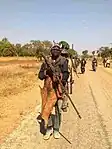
17, 58
16, 79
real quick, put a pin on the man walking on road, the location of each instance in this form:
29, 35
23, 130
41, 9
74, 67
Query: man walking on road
83, 64
52, 98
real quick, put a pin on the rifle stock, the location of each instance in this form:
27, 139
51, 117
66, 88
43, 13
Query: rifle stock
63, 88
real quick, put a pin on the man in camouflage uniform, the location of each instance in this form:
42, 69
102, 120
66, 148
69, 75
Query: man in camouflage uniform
94, 61
52, 98
65, 54
76, 61
104, 62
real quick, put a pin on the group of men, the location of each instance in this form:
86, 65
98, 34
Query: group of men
53, 99
83, 63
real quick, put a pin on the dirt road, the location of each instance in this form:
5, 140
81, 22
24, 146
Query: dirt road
92, 94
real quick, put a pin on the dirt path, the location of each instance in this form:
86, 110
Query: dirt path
93, 97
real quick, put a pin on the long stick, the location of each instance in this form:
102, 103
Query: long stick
65, 138
64, 91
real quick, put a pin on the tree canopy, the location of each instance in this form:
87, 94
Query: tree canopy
85, 53
64, 45
33, 48
105, 52
93, 52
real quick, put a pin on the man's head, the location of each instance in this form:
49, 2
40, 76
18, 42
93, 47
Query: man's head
64, 53
56, 51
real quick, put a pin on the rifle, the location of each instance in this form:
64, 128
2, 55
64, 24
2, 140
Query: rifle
58, 79
74, 67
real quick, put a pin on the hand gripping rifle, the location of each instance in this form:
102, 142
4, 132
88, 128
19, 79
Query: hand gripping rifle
57, 78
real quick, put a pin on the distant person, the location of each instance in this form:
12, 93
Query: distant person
94, 61
94, 64
77, 62
83, 64
107, 63
104, 62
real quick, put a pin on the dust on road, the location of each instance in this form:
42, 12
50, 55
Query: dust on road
92, 94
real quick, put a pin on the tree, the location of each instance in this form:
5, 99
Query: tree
105, 52
97, 51
5, 39
93, 52
72, 52
33, 48
38, 47
111, 52
85, 52
64, 45
47, 46
26, 50
18, 49
6, 48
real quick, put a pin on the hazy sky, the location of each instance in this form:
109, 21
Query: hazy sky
85, 23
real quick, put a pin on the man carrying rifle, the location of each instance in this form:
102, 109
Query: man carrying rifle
65, 54
52, 97
70, 81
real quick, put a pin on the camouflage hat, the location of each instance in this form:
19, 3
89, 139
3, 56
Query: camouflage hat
64, 51
56, 47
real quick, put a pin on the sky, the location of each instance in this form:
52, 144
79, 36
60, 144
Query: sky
85, 23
